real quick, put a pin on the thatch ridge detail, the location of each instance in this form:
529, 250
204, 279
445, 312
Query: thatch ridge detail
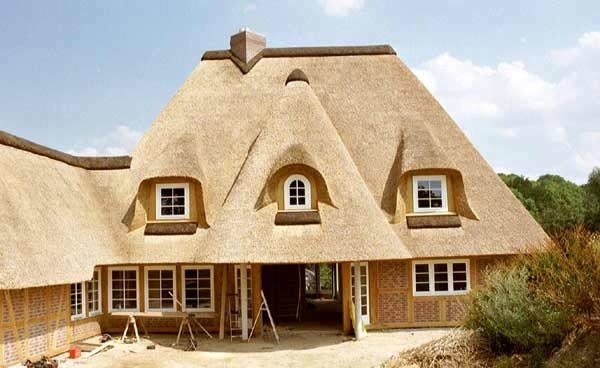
84, 162
321, 51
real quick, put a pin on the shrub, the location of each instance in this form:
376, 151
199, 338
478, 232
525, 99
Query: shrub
511, 314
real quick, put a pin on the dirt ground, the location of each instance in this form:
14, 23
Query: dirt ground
297, 349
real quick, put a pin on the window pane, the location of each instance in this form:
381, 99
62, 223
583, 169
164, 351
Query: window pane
301, 192
300, 183
459, 267
131, 275
459, 286
436, 203
423, 194
178, 210
436, 194
422, 277
422, 287
153, 274
423, 203
440, 267
441, 287
166, 192
435, 184
179, 201
422, 184
190, 274
460, 276
441, 277
154, 294
301, 201
166, 202
130, 304
293, 192
165, 211
422, 268
179, 192
293, 201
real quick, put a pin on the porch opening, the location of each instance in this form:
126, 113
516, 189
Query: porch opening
304, 295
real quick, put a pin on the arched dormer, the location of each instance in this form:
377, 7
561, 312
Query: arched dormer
297, 193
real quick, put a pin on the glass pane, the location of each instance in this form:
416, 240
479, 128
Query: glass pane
422, 287
423, 194
130, 284
440, 267
459, 276
116, 274
117, 304
440, 277
190, 274
436, 203
153, 294
179, 201
423, 203
191, 303
204, 284
130, 304
165, 293
154, 304
422, 184
300, 183
459, 266
167, 304
301, 201
153, 284
178, 210
293, 201
204, 294
179, 192
153, 274
191, 294
131, 275
441, 287
458, 286
166, 211
118, 294
166, 201
166, 192
422, 277
293, 192
435, 184
132, 294
436, 194
422, 268
301, 192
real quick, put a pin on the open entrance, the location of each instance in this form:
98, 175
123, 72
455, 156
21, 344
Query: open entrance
304, 294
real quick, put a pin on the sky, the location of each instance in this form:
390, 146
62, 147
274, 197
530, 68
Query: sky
521, 78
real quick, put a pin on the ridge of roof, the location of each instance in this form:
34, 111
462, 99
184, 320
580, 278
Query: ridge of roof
318, 51
88, 163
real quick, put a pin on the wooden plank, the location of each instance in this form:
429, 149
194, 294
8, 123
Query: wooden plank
26, 320
256, 297
373, 293
1, 329
48, 300
223, 302
410, 298
346, 297
244, 299
15, 331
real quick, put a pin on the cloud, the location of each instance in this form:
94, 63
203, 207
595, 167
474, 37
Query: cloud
119, 142
520, 119
341, 8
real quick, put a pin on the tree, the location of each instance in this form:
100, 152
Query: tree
592, 198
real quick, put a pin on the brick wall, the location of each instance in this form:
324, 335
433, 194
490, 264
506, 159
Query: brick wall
427, 311
41, 321
392, 291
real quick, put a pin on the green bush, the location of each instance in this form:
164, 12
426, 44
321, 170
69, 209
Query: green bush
512, 315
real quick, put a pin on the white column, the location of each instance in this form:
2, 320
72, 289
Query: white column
358, 324
244, 299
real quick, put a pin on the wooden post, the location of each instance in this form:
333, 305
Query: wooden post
358, 325
223, 302
346, 296
244, 299
256, 297
13, 323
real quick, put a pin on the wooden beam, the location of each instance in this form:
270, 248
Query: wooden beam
244, 299
223, 302
346, 296
256, 297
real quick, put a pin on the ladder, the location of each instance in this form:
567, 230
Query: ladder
264, 306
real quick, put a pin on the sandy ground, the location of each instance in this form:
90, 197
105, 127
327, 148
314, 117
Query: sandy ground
297, 349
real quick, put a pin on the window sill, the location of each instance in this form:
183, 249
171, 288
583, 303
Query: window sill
77, 318
95, 314
432, 220
447, 293
171, 228
304, 217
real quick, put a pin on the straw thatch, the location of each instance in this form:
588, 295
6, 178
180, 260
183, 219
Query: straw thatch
363, 127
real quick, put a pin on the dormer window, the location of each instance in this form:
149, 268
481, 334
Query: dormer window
172, 201
430, 194
297, 193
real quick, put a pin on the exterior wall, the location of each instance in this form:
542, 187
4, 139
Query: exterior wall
36, 322
393, 303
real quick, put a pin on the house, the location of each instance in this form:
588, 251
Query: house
311, 173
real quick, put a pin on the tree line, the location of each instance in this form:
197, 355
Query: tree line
558, 204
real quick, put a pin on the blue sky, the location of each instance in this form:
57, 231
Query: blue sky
521, 78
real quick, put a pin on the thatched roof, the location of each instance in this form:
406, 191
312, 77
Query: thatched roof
362, 124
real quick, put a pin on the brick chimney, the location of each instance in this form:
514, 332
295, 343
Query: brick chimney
246, 44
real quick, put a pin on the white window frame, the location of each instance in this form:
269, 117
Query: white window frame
211, 268
444, 207
186, 194
137, 288
82, 301
366, 318
98, 281
307, 193
147, 288
431, 272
